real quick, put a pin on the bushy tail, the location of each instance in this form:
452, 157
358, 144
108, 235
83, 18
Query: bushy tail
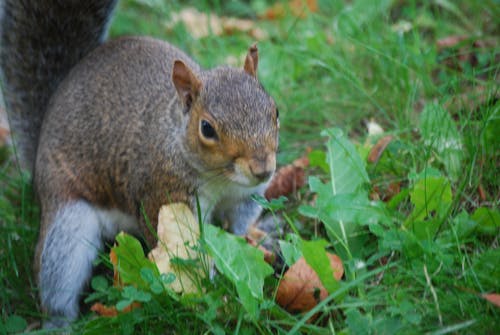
40, 41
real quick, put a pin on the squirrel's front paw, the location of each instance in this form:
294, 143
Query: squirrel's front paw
266, 232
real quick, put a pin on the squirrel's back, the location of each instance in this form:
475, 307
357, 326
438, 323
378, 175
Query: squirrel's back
40, 42
100, 134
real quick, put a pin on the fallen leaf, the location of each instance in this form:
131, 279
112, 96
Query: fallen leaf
494, 298
287, 179
111, 311
201, 24
178, 234
450, 41
301, 289
298, 8
387, 192
378, 149
113, 258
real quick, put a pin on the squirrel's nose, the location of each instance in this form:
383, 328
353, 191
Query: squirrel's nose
263, 168
263, 175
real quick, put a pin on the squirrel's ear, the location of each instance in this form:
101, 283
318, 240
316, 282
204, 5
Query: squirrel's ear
185, 82
252, 60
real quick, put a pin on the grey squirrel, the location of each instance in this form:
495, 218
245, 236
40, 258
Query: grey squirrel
109, 128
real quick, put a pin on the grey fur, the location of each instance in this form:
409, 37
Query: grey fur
117, 138
40, 41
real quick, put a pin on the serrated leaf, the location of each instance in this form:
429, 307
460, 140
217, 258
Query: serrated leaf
290, 249
131, 260
315, 255
343, 216
440, 133
241, 263
342, 203
347, 169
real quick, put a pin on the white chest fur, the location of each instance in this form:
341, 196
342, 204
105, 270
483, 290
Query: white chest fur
223, 195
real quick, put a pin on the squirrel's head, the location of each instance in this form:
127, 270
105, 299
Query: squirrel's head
233, 124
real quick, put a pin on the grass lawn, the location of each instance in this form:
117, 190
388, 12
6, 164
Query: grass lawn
416, 223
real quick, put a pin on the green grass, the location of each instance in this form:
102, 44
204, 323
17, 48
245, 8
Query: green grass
341, 67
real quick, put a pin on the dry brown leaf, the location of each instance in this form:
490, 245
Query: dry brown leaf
117, 282
494, 298
378, 149
102, 310
201, 24
450, 41
387, 192
178, 232
300, 289
298, 8
111, 311
287, 179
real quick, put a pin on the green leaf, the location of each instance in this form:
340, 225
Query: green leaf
488, 220
440, 134
464, 225
15, 324
347, 169
131, 260
342, 203
273, 205
431, 198
154, 282
99, 284
344, 216
241, 263
132, 293
122, 304
486, 270
290, 250
358, 324
318, 158
315, 255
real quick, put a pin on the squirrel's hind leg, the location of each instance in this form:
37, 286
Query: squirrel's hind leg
70, 246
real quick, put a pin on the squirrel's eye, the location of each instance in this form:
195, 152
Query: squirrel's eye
207, 130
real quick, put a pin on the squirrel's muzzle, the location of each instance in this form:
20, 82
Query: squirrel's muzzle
262, 168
